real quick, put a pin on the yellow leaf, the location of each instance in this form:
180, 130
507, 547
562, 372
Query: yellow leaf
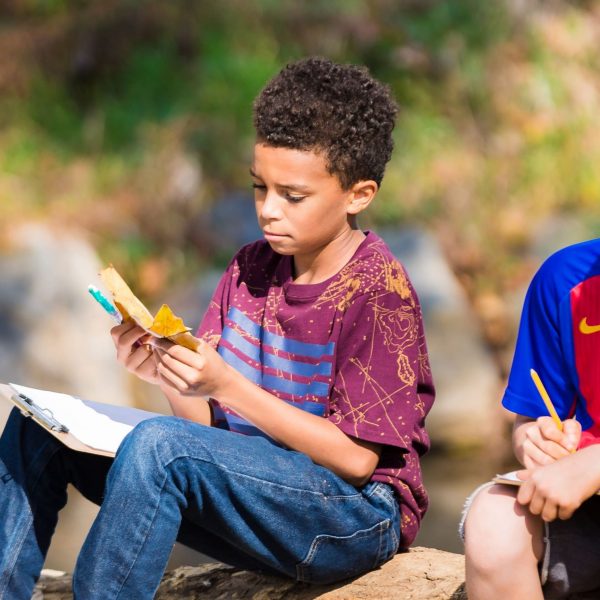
167, 324
186, 339
125, 300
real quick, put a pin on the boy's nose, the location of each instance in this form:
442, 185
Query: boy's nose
270, 208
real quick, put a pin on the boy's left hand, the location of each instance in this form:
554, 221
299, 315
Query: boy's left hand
200, 373
558, 489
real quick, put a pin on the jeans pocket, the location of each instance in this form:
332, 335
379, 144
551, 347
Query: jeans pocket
332, 558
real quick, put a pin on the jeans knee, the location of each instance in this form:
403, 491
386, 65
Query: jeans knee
147, 435
164, 437
157, 451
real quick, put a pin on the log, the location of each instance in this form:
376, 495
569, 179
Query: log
419, 574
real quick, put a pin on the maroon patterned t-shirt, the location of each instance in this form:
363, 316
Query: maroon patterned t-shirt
350, 349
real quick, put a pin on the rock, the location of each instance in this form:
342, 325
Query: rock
420, 574
465, 375
52, 334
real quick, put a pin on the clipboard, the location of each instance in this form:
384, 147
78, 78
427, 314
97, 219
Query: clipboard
121, 414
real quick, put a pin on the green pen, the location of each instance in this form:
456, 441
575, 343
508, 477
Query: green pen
106, 304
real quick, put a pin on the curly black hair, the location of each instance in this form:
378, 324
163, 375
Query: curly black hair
339, 110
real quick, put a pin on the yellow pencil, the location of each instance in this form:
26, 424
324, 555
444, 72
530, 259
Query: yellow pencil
546, 398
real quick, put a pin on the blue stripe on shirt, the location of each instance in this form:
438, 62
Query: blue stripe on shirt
272, 361
279, 384
277, 341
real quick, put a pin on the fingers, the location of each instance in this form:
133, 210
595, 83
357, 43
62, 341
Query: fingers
151, 358
543, 443
524, 474
533, 456
184, 377
138, 357
549, 511
173, 380
180, 353
117, 331
564, 513
572, 431
549, 430
537, 502
526, 491
124, 337
148, 372
568, 437
161, 344
543, 498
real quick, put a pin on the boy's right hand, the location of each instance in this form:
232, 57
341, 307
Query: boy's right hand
540, 442
136, 356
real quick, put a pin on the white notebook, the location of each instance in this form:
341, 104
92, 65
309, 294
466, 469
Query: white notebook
98, 427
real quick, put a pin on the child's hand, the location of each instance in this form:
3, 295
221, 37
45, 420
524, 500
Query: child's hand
558, 489
541, 442
133, 352
200, 373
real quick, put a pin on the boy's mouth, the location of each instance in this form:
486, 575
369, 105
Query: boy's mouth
274, 236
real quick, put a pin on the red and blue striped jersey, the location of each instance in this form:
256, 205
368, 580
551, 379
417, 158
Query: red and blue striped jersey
559, 337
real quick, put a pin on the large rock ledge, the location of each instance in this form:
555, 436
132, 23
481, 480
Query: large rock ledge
420, 574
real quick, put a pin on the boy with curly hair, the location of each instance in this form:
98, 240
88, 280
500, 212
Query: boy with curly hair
313, 350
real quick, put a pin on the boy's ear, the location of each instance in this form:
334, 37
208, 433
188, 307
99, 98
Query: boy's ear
361, 194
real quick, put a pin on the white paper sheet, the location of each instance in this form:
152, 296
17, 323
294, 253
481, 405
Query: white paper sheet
86, 424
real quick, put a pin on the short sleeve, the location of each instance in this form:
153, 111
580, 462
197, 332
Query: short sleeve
543, 332
380, 363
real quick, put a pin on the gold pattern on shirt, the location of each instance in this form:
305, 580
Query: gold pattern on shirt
395, 279
400, 332
352, 286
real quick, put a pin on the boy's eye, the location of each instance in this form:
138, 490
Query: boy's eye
293, 198
258, 186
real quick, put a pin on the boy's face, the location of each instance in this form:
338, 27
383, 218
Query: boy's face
301, 207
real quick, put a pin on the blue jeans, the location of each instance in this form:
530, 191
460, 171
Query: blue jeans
239, 499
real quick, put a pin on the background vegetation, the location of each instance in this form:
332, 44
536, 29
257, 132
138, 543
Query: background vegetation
129, 118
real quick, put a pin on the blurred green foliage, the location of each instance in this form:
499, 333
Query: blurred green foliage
101, 104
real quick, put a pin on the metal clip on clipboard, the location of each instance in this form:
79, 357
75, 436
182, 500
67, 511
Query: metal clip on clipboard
43, 416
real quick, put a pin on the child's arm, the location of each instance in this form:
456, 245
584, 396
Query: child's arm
205, 373
538, 442
558, 489
188, 407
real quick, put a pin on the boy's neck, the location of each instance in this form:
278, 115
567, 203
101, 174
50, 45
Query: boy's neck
327, 261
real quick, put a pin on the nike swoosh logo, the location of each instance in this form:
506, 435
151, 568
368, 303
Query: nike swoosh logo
587, 329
